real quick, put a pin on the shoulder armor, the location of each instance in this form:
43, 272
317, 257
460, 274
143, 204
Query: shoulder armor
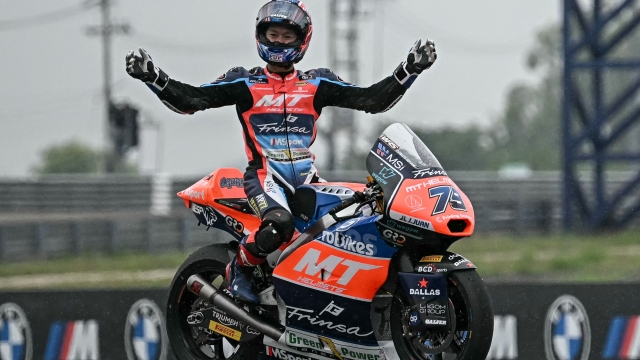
233, 74
325, 73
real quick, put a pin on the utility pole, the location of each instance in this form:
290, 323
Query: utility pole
344, 24
106, 30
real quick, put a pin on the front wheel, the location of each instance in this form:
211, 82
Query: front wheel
471, 337
200, 343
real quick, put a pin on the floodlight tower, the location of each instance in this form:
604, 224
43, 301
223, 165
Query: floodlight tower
597, 116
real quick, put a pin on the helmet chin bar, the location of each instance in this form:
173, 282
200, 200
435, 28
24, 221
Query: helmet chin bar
284, 65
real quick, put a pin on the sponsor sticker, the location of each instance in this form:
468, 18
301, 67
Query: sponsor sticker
428, 172
234, 224
431, 258
312, 266
435, 322
258, 81
346, 242
192, 194
280, 141
394, 236
385, 139
261, 202
308, 316
272, 100
231, 182
382, 150
276, 57
224, 330
411, 220
320, 344
395, 162
423, 289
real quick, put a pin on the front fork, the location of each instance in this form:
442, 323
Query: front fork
422, 279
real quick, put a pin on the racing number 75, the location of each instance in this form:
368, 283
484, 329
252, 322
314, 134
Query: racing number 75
446, 195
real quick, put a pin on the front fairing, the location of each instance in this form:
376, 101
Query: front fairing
419, 197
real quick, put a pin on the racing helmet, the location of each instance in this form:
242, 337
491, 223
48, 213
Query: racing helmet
288, 13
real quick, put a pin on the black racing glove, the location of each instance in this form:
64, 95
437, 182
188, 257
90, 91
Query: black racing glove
420, 58
142, 68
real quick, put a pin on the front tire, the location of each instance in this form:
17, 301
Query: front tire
474, 321
208, 262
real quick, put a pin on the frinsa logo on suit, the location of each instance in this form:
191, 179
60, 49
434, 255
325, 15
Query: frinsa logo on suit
144, 335
15, 334
73, 340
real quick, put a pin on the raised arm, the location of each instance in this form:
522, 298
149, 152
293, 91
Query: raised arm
379, 97
228, 89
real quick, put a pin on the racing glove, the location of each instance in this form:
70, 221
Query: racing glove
420, 58
142, 68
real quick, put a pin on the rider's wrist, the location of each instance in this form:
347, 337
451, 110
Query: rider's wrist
405, 74
161, 80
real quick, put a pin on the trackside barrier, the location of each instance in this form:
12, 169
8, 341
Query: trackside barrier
532, 322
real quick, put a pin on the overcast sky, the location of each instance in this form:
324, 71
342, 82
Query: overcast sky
52, 73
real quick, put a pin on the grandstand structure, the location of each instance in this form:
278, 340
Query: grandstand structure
601, 112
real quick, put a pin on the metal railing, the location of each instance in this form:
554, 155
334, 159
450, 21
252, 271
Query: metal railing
52, 216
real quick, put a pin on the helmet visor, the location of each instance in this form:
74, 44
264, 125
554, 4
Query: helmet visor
284, 13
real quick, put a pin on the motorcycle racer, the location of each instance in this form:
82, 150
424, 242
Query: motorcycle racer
278, 106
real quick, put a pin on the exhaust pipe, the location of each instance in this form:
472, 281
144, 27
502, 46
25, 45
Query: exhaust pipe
199, 286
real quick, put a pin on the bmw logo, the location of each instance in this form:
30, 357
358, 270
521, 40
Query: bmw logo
145, 335
15, 334
567, 335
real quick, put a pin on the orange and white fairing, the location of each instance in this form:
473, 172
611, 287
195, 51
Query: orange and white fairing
431, 204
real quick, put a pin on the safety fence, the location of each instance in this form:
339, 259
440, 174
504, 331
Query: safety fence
67, 215
532, 322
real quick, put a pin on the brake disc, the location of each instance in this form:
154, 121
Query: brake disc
432, 342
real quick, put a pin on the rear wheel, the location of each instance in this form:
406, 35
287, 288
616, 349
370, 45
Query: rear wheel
472, 315
191, 343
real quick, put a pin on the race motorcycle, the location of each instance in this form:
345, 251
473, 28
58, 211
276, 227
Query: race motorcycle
367, 275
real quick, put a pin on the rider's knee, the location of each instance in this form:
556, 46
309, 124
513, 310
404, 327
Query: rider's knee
277, 228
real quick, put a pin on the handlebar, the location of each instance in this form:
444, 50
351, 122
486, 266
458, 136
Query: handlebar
358, 197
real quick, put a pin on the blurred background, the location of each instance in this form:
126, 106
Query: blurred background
532, 107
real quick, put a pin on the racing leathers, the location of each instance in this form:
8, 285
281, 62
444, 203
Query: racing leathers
278, 117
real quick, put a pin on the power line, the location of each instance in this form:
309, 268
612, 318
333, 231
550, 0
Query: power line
40, 19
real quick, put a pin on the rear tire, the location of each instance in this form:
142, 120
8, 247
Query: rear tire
474, 321
208, 262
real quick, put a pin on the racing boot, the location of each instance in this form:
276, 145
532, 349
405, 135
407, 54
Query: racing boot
240, 276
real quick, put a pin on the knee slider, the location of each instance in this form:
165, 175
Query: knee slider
277, 228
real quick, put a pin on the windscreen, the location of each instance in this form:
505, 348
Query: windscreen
399, 154
405, 142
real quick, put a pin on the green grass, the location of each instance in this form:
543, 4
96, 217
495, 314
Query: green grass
572, 258
95, 263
